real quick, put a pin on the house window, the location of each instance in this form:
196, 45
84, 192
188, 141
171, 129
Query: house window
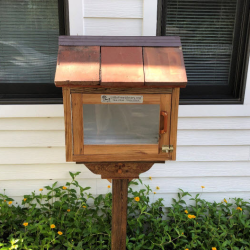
29, 31
214, 35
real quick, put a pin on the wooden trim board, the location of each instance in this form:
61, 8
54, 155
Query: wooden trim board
174, 121
164, 139
77, 123
120, 149
105, 90
105, 153
116, 157
67, 122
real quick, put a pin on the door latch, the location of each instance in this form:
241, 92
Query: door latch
167, 148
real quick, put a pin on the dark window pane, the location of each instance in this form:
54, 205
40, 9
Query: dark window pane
28, 41
209, 32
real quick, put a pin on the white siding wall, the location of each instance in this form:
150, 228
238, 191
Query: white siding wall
213, 141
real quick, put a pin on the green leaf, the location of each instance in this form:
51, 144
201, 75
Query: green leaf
54, 184
141, 236
72, 175
79, 246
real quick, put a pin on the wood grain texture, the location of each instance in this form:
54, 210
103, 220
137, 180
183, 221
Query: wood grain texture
163, 66
119, 214
114, 26
174, 121
120, 149
217, 161
116, 170
67, 124
122, 66
164, 139
105, 90
78, 65
113, 9
121, 158
96, 99
77, 123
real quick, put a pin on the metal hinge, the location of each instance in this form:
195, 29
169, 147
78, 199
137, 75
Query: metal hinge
167, 148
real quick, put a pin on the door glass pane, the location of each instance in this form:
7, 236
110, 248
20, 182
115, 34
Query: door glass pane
121, 124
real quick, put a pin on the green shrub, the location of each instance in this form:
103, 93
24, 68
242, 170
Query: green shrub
68, 217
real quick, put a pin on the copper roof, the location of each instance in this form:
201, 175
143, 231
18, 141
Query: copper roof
120, 61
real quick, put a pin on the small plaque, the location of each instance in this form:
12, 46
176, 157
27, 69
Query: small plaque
122, 99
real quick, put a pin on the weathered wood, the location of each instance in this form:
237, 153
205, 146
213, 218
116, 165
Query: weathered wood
165, 106
77, 120
78, 65
119, 214
122, 66
163, 66
96, 99
116, 170
67, 122
105, 90
120, 149
174, 121
117, 152
121, 157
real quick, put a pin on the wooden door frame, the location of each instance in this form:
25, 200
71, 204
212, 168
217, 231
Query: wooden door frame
121, 152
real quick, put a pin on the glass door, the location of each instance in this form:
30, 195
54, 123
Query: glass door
120, 124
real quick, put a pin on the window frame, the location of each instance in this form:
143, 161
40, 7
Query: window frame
23, 93
239, 86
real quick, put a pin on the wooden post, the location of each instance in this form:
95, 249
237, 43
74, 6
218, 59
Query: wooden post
119, 213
